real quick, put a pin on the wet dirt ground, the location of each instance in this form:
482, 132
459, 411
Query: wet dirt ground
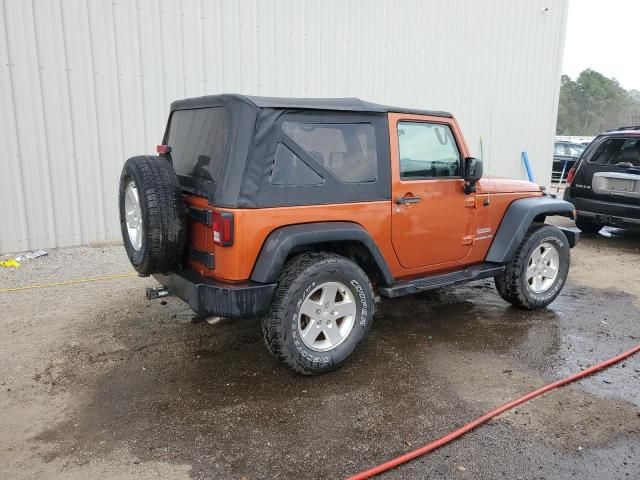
95, 381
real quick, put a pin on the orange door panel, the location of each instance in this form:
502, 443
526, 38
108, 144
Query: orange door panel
436, 229
433, 220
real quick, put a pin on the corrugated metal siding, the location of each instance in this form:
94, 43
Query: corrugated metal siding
86, 84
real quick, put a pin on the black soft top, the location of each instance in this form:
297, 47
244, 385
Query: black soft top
238, 174
348, 104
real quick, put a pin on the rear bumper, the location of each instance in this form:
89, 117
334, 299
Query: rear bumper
606, 213
612, 220
210, 297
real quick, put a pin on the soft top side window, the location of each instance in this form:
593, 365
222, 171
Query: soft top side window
289, 169
348, 150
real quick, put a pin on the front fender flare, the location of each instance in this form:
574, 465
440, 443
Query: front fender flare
517, 220
285, 240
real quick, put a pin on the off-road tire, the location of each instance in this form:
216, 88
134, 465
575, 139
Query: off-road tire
163, 214
298, 277
587, 225
512, 283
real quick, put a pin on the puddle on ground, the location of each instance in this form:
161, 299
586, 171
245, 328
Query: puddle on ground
209, 395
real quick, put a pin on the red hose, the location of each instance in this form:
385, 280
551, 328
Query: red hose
383, 467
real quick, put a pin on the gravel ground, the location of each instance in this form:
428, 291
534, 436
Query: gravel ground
97, 381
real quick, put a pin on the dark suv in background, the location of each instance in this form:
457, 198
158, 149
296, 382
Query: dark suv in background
604, 184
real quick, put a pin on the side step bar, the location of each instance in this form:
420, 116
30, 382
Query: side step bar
476, 272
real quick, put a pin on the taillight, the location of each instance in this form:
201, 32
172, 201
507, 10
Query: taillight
222, 228
570, 175
163, 149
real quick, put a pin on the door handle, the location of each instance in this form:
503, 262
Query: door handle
407, 200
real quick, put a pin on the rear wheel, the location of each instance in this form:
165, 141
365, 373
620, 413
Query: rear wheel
322, 310
587, 225
538, 270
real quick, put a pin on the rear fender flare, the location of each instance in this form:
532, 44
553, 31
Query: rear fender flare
296, 238
517, 220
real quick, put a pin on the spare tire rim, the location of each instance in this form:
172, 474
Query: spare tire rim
543, 267
133, 215
327, 316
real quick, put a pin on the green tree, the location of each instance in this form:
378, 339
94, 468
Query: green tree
594, 103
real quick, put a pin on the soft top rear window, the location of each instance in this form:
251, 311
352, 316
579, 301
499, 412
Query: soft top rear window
616, 151
198, 140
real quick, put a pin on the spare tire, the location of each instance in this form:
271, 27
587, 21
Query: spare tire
152, 214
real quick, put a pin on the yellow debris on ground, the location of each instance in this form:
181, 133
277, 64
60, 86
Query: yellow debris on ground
11, 263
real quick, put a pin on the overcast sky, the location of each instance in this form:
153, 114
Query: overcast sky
604, 35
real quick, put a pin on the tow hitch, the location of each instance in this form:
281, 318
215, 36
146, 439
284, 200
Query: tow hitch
157, 292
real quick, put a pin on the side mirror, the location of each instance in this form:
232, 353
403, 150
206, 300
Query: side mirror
472, 173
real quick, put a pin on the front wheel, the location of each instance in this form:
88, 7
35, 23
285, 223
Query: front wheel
538, 270
321, 311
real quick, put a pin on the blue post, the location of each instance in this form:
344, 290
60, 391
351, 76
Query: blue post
527, 166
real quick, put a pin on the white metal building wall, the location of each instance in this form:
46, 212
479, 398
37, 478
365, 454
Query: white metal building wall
86, 84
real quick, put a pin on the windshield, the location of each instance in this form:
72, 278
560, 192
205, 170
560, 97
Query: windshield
571, 149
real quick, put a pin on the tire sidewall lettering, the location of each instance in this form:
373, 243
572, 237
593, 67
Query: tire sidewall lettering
364, 310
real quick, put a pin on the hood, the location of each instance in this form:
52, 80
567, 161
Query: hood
508, 185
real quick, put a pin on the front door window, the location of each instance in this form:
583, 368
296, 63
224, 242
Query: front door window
427, 150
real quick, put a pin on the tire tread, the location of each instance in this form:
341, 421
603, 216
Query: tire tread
274, 324
508, 282
164, 217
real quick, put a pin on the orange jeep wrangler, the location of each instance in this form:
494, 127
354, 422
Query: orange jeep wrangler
302, 211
